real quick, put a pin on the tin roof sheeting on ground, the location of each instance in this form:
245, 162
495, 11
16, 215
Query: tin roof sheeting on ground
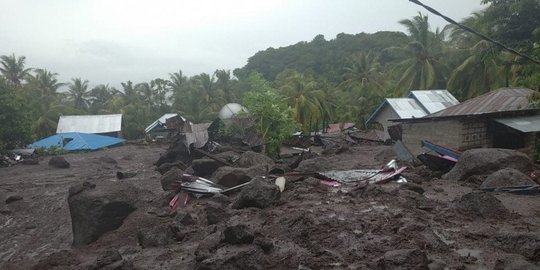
523, 124
434, 100
501, 100
90, 123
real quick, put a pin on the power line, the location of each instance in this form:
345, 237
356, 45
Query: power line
468, 29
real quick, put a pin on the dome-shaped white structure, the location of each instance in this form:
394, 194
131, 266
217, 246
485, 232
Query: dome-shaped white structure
230, 110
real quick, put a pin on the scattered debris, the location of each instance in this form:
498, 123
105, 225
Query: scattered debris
388, 173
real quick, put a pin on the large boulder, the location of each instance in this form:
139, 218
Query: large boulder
257, 194
96, 210
230, 177
63, 259
205, 166
169, 179
507, 177
481, 205
250, 159
485, 161
59, 162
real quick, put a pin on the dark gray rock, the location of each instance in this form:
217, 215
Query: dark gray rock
230, 177
404, 259
204, 167
258, 194
13, 198
30, 161
165, 167
481, 205
185, 219
514, 262
58, 162
507, 177
233, 257
238, 234
266, 244
159, 235
484, 161
96, 210
108, 257
169, 179
215, 212
523, 243
207, 246
64, 259
250, 159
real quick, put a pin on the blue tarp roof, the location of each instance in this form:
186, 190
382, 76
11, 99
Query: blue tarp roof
76, 141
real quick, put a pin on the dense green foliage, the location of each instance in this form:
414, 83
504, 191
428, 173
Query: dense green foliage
304, 86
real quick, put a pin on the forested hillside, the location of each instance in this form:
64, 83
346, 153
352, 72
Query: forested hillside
313, 83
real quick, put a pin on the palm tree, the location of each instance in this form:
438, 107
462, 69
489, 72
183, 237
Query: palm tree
479, 73
305, 99
13, 68
44, 81
99, 97
78, 93
420, 68
223, 83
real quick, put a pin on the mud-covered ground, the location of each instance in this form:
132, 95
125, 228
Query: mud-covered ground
312, 226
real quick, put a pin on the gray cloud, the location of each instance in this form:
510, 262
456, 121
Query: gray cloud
114, 41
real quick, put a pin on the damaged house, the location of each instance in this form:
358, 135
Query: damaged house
501, 118
417, 104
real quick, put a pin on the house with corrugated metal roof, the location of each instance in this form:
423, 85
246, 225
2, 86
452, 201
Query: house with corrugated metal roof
106, 124
417, 104
501, 118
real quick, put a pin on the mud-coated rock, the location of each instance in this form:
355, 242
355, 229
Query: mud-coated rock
30, 161
258, 194
96, 210
233, 257
165, 167
184, 219
215, 212
170, 178
526, 244
404, 259
484, 161
13, 198
513, 262
207, 246
64, 259
230, 177
507, 177
250, 159
412, 187
205, 166
481, 205
58, 162
159, 235
107, 257
237, 234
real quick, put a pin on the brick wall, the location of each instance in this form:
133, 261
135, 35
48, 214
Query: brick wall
444, 132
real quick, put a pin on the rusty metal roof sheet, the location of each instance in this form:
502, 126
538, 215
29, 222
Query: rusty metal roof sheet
524, 123
434, 100
500, 100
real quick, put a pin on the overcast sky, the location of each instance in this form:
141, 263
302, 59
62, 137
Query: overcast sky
111, 41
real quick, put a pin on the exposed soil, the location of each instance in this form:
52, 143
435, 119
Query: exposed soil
312, 226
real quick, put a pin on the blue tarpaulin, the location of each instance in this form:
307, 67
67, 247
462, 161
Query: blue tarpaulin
76, 141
